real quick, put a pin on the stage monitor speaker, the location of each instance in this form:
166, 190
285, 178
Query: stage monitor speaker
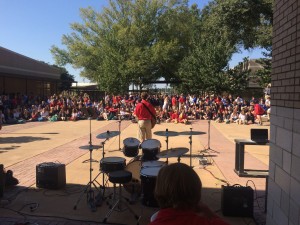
237, 201
50, 175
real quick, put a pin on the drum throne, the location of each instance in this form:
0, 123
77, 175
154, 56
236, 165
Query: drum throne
120, 203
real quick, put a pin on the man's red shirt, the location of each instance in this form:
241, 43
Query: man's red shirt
142, 112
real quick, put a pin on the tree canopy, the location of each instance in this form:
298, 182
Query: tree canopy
139, 41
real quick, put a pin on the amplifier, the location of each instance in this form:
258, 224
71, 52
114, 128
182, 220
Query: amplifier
50, 175
237, 201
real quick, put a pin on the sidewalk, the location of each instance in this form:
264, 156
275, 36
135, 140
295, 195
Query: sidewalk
24, 146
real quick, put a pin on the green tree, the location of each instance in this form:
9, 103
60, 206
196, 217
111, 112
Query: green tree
66, 79
129, 41
263, 76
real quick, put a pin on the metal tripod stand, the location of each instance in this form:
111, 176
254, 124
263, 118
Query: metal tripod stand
88, 190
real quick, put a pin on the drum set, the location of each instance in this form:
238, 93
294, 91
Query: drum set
144, 168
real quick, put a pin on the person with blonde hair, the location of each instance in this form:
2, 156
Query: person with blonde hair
178, 194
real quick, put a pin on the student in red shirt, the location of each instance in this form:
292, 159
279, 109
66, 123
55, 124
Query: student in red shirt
178, 193
144, 112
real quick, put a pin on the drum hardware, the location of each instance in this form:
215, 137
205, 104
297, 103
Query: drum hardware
107, 135
90, 195
166, 133
173, 152
134, 187
119, 121
167, 139
90, 146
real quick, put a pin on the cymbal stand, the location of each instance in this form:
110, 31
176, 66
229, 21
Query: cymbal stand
167, 138
90, 196
119, 121
190, 137
167, 142
90, 143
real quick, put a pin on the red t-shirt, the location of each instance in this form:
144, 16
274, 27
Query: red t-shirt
142, 112
174, 116
174, 100
178, 217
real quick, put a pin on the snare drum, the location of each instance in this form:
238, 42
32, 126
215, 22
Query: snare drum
148, 181
131, 147
153, 163
134, 187
110, 164
150, 148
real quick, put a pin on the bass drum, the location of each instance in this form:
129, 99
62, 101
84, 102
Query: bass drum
134, 186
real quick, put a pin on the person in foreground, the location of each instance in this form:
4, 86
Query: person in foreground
178, 193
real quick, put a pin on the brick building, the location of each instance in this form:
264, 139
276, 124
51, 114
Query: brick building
284, 177
21, 74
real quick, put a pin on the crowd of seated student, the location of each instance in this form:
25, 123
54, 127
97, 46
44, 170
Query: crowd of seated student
169, 108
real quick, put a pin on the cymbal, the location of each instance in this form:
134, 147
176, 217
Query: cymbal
88, 147
173, 152
191, 133
108, 134
166, 133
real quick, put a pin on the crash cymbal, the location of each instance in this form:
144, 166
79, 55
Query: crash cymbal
173, 152
166, 133
108, 134
88, 147
191, 133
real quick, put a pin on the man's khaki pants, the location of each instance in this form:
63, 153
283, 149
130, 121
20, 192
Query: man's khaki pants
144, 131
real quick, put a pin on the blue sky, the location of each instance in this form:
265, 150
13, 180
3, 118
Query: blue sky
31, 27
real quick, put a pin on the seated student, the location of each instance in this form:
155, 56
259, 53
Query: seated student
74, 115
174, 117
234, 116
182, 118
178, 193
242, 117
165, 116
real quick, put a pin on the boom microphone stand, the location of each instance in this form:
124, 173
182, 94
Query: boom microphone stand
208, 141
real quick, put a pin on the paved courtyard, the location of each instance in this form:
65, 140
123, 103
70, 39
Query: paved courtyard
24, 146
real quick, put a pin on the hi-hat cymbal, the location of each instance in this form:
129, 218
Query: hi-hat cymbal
108, 134
173, 152
88, 147
166, 133
191, 133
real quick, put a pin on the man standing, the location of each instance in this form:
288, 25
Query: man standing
144, 112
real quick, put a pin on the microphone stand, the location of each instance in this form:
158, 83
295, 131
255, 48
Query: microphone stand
208, 141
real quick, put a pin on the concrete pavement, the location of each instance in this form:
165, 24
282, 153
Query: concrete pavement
24, 146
